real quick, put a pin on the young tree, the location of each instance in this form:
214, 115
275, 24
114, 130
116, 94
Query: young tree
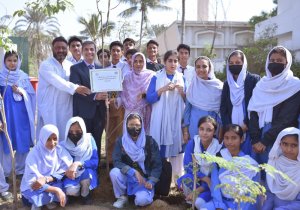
182, 21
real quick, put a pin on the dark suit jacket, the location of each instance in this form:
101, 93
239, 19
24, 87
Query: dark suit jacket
226, 105
154, 67
84, 106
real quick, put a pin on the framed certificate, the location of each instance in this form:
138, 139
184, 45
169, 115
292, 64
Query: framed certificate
105, 80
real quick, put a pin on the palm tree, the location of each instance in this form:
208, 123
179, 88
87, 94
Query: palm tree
93, 27
143, 6
40, 30
4, 22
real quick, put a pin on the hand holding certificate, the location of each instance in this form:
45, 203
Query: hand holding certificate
104, 80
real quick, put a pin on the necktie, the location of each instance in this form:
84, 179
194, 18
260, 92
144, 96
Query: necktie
113, 94
90, 66
182, 69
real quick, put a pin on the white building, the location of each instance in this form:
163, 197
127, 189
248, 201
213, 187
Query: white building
199, 36
287, 22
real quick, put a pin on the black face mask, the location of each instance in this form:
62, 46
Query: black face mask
75, 137
134, 132
235, 69
276, 68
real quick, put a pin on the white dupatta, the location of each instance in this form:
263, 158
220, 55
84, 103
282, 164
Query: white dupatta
278, 185
271, 91
165, 124
42, 162
83, 150
205, 94
237, 93
213, 148
224, 177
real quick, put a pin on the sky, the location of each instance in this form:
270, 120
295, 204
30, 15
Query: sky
230, 10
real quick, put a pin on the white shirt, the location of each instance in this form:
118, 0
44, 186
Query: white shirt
125, 68
73, 60
54, 94
188, 74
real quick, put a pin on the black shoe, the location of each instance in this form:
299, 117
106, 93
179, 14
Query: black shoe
87, 200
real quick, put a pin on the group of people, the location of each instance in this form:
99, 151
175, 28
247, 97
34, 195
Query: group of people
169, 111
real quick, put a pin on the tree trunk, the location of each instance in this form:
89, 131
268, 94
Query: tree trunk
142, 23
183, 22
215, 32
11, 151
103, 34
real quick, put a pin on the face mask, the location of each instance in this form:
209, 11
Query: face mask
75, 137
276, 68
235, 69
134, 132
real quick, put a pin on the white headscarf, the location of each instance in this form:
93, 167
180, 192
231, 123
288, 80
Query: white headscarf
44, 162
21, 79
271, 91
11, 77
205, 94
237, 93
135, 149
278, 185
224, 177
166, 115
212, 149
83, 150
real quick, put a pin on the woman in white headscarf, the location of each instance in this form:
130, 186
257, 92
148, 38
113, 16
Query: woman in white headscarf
284, 156
166, 93
275, 103
19, 102
45, 166
236, 95
203, 97
204, 142
221, 178
137, 164
82, 174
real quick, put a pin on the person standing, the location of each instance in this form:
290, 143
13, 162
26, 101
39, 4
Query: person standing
91, 107
128, 44
135, 85
19, 103
184, 52
54, 93
75, 47
166, 94
103, 57
203, 98
152, 53
116, 115
236, 95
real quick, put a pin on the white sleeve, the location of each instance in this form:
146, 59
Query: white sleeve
47, 73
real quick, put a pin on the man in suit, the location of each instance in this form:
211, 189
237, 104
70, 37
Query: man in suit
92, 107
152, 51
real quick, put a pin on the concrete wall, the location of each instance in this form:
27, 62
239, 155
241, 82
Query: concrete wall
287, 22
199, 35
